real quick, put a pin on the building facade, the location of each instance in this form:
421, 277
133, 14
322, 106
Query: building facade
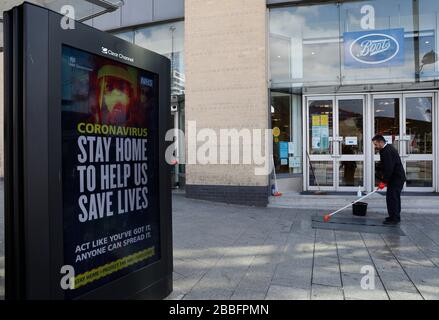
324, 76
342, 72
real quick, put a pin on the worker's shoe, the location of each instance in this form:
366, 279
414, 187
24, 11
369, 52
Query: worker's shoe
391, 221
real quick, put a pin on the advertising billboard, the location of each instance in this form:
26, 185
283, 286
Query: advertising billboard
110, 169
87, 185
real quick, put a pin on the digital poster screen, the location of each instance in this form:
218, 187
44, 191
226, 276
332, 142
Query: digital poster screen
110, 181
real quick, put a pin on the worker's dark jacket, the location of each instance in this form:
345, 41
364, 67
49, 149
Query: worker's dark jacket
392, 171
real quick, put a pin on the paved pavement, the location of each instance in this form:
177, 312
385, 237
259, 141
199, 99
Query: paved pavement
233, 252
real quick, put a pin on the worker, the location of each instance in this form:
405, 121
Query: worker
392, 176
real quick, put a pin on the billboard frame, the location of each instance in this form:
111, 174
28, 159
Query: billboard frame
33, 188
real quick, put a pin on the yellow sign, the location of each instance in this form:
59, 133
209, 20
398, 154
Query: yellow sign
276, 131
324, 120
114, 266
316, 120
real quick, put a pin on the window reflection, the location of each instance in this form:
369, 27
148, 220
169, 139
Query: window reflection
419, 173
351, 174
321, 173
309, 35
307, 46
386, 119
351, 125
166, 39
419, 125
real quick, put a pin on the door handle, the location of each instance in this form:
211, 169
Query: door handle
339, 140
331, 146
404, 138
407, 139
398, 138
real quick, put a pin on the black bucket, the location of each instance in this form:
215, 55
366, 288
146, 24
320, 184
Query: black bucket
359, 209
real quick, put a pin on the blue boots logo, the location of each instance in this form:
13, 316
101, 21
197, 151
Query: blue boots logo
374, 48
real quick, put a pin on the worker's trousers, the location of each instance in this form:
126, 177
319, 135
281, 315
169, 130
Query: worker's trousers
393, 200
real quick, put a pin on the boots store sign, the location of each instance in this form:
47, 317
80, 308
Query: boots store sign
373, 48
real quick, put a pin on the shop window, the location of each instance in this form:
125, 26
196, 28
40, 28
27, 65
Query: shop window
311, 45
286, 121
168, 40
308, 36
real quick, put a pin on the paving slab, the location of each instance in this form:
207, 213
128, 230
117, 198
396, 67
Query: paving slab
398, 282
402, 295
303, 282
328, 276
357, 228
353, 290
241, 294
319, 292
276, 292
209, 294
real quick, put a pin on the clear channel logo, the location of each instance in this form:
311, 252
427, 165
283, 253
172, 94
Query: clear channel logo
374, 48
109, 52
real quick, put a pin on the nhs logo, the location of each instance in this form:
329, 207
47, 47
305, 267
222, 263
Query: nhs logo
146, 82
373, 48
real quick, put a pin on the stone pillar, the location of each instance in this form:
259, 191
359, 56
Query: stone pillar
226, 88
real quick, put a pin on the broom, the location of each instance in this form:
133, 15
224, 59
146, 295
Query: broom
276, 193
314, 175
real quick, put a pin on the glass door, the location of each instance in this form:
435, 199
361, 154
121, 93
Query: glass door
406, 121
321, 150
350, 159
387, 122
417, 141
335, 143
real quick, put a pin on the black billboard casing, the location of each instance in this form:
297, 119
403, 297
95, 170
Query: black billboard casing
87, 187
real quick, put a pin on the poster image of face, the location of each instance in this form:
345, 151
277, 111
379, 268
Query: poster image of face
109, 92
111, 224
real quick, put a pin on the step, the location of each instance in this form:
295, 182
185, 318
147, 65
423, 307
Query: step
377, 202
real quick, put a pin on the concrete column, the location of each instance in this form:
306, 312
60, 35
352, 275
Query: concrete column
226, 88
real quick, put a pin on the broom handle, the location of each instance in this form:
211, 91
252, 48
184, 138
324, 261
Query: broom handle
312, 170
350, 204
274, 171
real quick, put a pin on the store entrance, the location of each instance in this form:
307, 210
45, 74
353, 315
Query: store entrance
335, 148
406, 121
339, 153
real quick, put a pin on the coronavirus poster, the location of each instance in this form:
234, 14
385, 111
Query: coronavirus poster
109, 169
